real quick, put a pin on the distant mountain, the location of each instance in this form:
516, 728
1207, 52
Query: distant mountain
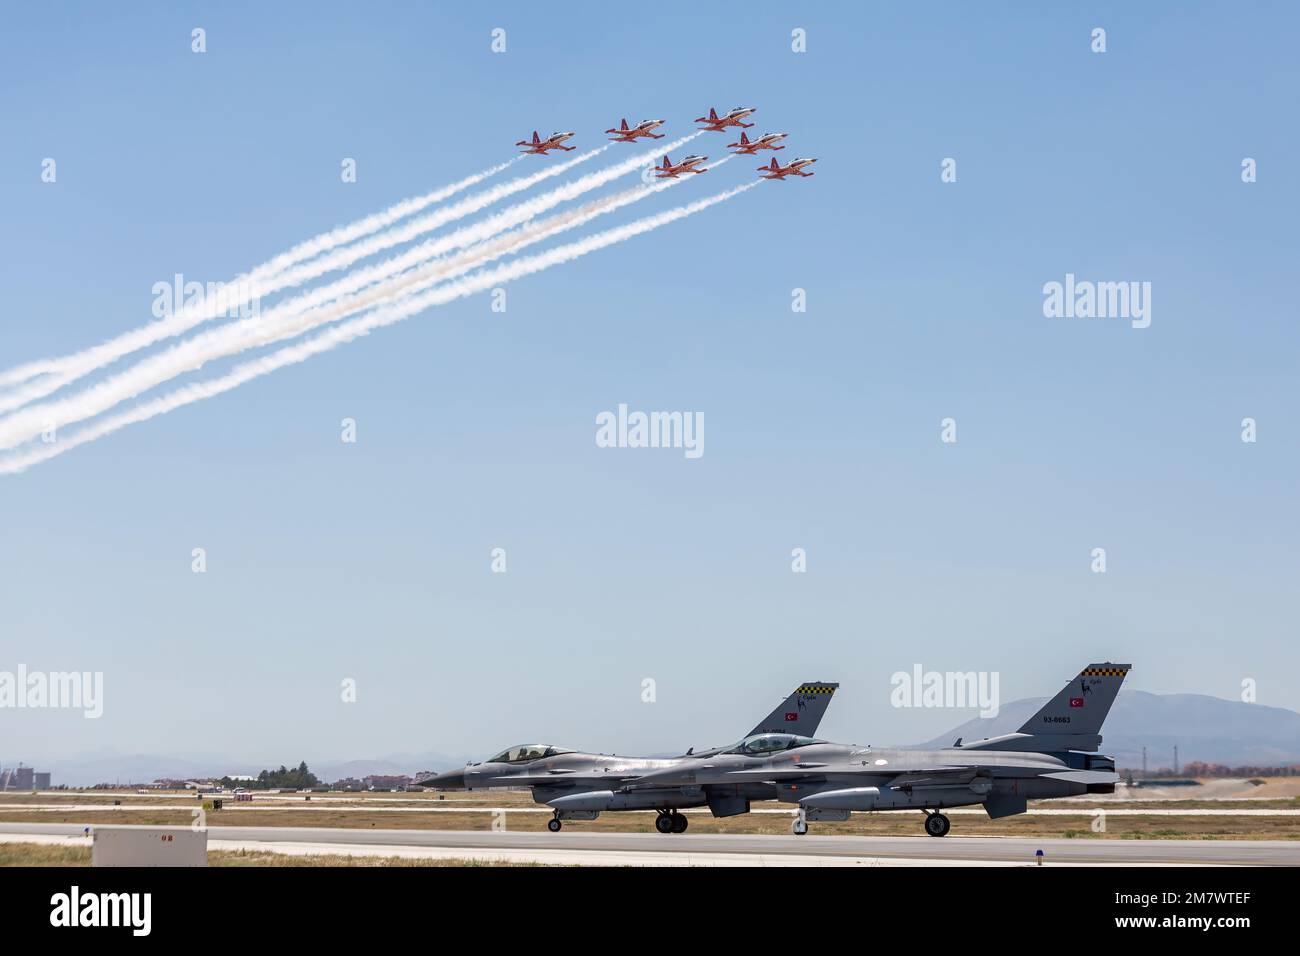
126, 768
87, 770
1208, 729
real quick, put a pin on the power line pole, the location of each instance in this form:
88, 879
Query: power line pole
1175, 758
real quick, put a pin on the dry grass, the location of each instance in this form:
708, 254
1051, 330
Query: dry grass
42, 854
361, 811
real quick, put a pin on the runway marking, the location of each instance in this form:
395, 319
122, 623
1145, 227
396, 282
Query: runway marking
746, 847
248, 806
554, 857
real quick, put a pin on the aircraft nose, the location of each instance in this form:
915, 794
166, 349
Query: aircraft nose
447, 780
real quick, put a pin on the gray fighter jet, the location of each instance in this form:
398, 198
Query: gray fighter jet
1052, 755
579, 786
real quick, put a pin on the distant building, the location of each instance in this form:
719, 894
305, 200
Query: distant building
350, 784
387, 782
23, 778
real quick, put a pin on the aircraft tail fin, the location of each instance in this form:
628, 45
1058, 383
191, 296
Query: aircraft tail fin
624, 123
744, 140
1080, 706
1069, 721
800, 713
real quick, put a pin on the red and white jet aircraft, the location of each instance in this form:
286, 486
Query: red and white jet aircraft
715, 123
539, 146
794, 168
629, 134
671, 170
749, 146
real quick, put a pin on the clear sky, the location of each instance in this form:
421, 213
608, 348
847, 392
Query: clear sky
371, 561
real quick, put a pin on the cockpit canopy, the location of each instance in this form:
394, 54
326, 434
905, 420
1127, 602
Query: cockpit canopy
762, 744
526, 752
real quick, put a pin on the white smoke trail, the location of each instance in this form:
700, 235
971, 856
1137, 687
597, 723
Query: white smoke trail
408, 231
269, 327
355, 328
304, 250
235, 337
70, 368
380, 220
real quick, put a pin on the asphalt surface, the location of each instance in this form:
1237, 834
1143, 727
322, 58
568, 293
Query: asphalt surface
951, 849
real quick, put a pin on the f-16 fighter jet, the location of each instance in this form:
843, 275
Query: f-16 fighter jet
671, 170
1051, 756
538, 146
629, 134
716, 124
749, 147
794, 168
578, 785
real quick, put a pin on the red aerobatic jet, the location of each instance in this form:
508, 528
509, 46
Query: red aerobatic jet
671, 170
715, 123
538, 146
629, 134
749, 146
777, 171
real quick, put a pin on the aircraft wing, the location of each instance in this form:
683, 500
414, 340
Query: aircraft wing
938, 777
1085, 776
760, 774
571, 778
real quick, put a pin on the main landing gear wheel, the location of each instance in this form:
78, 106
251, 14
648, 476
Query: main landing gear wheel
800, 827
664, 823
679, 823
937, 825
554, 824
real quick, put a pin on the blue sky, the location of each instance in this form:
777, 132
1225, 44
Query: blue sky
371, 561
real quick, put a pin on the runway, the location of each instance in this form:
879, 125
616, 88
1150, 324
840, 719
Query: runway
653, 849
264, 806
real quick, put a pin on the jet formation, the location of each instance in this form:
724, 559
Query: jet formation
667, 169
1054, 754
